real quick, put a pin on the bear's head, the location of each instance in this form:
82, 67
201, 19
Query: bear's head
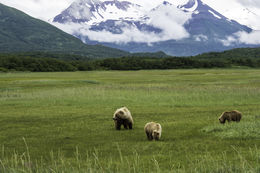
118, 118
222, 119
156, 135
118, 115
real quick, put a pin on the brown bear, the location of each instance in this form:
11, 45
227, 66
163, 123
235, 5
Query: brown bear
153, 131
230, 116
122, 116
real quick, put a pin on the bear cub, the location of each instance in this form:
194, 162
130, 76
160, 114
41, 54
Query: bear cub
153, 131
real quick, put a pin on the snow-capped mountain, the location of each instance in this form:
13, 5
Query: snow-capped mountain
177, 27
95, 11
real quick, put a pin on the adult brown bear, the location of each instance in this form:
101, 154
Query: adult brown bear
230, 116
122, 116
153, 131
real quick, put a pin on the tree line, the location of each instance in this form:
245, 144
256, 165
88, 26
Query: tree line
49, 63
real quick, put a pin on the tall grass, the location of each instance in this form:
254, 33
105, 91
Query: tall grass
91, 162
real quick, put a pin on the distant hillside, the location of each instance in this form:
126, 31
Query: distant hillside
22, 33
237, 58
234, 53
159, 54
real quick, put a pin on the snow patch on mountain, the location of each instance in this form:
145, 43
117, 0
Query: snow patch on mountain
95, 11
190, 6
214, 14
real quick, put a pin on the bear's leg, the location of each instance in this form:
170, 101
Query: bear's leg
130, 125
229, 119
125, 125
239, 118
118, 126
149, 136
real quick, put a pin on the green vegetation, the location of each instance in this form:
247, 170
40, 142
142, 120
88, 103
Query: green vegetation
246, 57
34, 65
240, 53
20, 62
248, 129
22, 33
62, 122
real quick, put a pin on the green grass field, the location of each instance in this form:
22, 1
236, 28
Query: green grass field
62, 122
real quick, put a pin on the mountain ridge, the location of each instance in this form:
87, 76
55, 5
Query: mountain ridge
199, 28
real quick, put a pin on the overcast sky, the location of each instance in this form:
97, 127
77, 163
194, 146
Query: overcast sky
47, 9
43, 9
250, 2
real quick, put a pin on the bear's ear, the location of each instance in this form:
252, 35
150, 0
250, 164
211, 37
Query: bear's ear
121, 113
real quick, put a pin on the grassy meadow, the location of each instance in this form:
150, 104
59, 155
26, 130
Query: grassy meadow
62, 122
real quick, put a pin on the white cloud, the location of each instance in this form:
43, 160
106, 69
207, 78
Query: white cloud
130, 34
170, 20
249, 38
200, 37
252, 38
79, 12
230, 40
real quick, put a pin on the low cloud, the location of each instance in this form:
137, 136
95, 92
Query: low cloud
229, 41
170, 20
129, 34
243, 37
200, 37
249, 38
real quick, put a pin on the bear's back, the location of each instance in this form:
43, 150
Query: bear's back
152, 126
